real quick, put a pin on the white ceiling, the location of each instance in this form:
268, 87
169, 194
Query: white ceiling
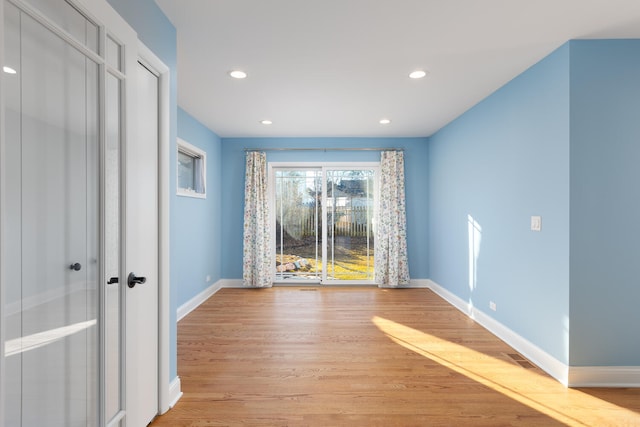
336, 67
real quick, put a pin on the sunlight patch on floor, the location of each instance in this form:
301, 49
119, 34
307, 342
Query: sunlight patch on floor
539, 392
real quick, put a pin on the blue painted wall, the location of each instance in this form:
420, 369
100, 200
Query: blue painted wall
503, 161
560, 141
416, 158
158, 34
196, 223
605, 202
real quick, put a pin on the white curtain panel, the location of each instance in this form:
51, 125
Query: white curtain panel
391, 266
257, 245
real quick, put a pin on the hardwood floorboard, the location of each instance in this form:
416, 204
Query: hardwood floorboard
359, 356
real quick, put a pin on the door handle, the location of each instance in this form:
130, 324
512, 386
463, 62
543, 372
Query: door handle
133, 280
75, 267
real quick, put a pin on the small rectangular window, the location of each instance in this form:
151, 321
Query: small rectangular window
192, 170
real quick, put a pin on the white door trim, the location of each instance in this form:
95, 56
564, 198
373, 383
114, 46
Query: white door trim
151, 61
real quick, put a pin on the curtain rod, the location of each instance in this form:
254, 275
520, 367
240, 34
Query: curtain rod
324, 149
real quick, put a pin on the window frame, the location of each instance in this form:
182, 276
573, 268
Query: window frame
199, 155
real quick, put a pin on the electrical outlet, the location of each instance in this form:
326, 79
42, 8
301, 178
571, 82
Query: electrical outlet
492, 306
208, 278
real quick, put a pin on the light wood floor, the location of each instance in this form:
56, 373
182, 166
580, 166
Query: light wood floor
365, 357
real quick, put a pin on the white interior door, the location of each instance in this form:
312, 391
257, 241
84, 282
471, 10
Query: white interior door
142, 254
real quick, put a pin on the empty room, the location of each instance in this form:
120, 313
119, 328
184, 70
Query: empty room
329, 213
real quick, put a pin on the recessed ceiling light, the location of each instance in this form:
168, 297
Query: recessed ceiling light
266, 122
417, 74
9, 70
385, 121
238, 74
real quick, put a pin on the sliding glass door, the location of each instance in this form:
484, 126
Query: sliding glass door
323, 223
298, 224
349, 215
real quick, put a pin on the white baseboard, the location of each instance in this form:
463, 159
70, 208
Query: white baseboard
175, 392
571, 376
232, 283
194, 302
413, 284
237, 283
420, 283
542, 359
604, 376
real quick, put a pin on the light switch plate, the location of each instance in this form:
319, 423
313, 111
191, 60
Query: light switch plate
536, 223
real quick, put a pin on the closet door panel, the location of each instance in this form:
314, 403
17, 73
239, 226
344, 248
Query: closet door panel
12, 211
53, 314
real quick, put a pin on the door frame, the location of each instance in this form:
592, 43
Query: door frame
271, 167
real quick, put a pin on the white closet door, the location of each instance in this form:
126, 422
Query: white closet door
142, 255
52, 342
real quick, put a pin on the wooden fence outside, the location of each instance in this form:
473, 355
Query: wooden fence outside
352, 221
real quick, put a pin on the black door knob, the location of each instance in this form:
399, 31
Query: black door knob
75, 267
133, 280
